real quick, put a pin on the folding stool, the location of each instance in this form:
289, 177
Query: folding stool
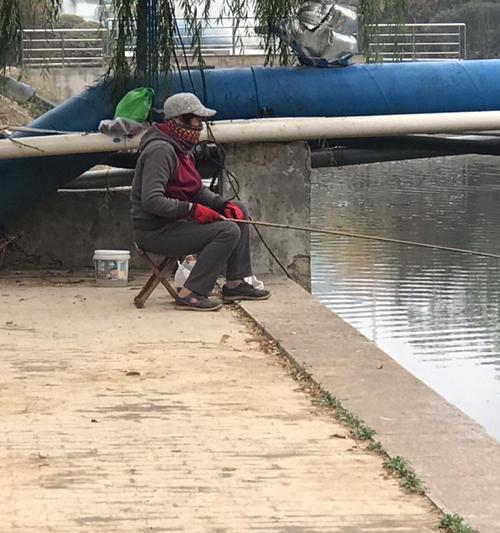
158, 276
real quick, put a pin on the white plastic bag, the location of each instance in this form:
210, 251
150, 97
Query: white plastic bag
122, 126
183, 271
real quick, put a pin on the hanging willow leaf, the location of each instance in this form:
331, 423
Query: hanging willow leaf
10, 37
16, 15
153, 35
371, 13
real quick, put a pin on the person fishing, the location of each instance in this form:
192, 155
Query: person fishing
174, 214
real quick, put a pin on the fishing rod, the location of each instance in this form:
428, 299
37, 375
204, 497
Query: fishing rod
312, 229
326, 231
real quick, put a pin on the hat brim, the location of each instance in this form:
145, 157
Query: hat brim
204, 112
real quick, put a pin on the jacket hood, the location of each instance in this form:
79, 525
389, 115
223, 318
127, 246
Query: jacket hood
155, 134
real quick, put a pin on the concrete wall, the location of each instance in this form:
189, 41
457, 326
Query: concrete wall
276, 186
64, 228
59, 84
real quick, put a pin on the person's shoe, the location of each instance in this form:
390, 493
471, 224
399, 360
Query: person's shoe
244, 291
196, 302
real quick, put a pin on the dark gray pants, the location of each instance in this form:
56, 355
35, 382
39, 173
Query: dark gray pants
220, 246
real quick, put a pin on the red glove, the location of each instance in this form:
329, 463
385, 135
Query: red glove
203, 214
233, 211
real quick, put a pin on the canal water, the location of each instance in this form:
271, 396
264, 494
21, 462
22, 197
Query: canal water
436, 313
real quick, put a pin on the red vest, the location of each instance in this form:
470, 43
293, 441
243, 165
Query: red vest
187, 180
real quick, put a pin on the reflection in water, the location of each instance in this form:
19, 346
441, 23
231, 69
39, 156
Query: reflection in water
437, 313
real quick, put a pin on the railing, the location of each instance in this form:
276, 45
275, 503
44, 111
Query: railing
64, 48
226, 37
223, 36
91, 47
419, 42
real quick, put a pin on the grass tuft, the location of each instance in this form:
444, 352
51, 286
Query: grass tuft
453, 523
359, 430
407, 477
376, 447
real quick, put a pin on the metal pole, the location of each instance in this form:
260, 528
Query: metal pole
62, 48
414, 43
233, 36
21, 58
465, 40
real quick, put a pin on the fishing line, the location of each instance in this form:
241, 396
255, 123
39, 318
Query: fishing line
236, 190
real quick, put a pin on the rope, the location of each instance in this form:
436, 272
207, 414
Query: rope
326, 231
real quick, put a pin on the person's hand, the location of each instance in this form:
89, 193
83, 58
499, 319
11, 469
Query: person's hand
233, 211
204, 215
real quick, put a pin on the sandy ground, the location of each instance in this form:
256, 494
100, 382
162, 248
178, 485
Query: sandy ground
154, 420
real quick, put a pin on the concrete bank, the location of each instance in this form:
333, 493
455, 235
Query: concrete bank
458, 462
63, 229
116, 419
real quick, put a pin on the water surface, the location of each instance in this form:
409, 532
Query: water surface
436, 313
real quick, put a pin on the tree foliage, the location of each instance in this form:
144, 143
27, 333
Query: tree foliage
483, 26
425, 10
134, 31
481, 17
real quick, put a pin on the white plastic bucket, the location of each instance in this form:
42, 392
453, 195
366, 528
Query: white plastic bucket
111, 267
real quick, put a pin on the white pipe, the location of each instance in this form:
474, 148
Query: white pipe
71, 143
290, 129
266, 130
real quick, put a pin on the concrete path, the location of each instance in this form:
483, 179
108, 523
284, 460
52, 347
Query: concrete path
457, 460
123, 420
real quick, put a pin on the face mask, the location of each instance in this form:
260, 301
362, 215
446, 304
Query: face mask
185, 135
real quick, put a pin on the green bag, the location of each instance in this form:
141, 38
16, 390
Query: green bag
135, 105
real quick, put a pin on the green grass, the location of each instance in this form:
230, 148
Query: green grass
407, 477
359, 430
377, 447
453, 523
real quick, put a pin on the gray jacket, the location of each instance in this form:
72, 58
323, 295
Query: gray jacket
156, 165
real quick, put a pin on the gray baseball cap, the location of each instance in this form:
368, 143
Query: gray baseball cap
185, 104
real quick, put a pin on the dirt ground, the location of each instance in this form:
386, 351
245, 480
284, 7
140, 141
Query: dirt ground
12, 114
